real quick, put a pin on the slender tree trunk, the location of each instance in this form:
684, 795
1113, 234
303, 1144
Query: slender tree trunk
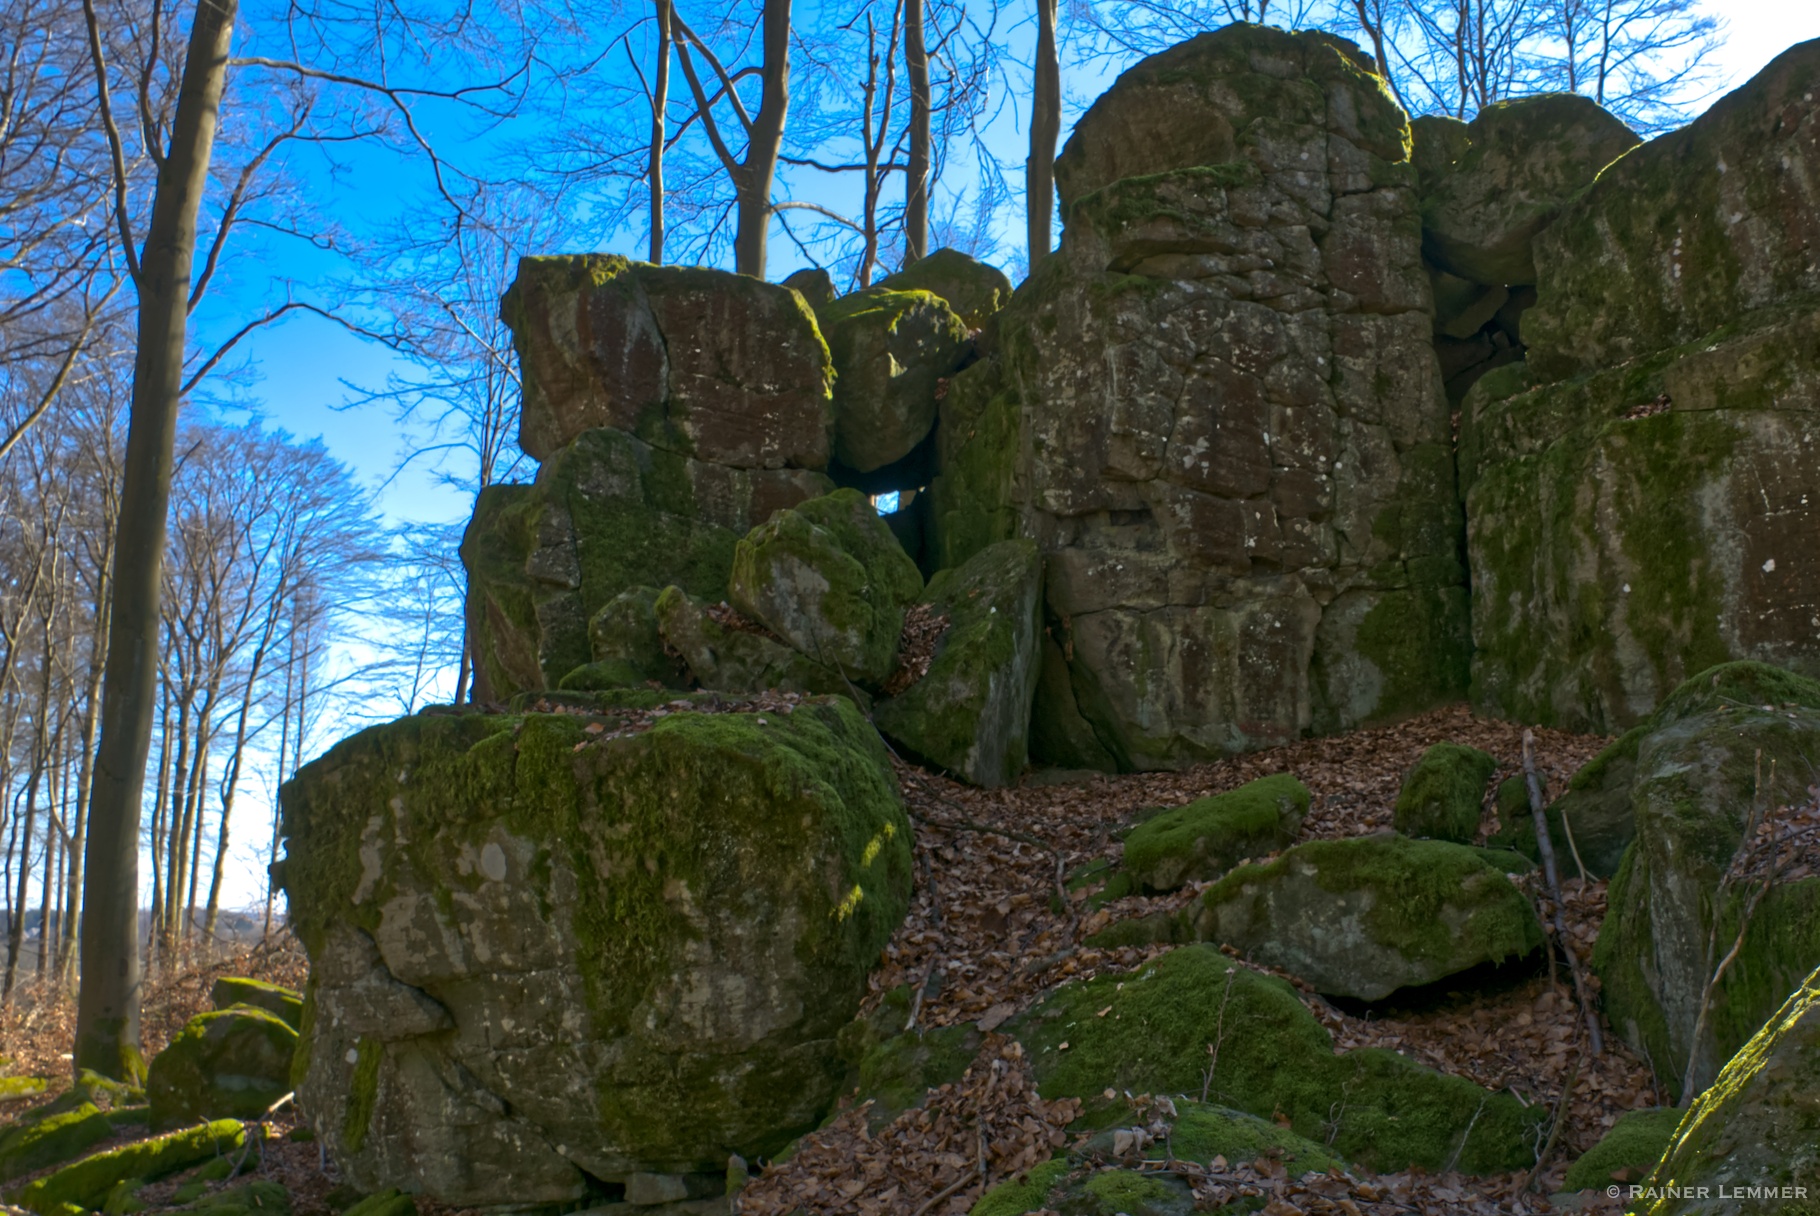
15, 930
107, 1008
660, 104
917, 175
752, 185
1045, 129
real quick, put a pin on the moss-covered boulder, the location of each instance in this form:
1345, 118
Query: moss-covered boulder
1366, 916
560, 947
1218, 410
1695, 780
1151, 1030
830, 579
974, 290
969, 712
890, 347
232, 1062
1689, 232
86, 1184
1207, 837
1756, 1126
608, 513
1443, 793
625, 631
1626, 1153
45, 1138
276, 999
727, 653
1519, 163
720, 367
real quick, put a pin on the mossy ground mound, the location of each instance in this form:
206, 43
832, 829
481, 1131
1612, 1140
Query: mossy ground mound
1442, 796
1209, 836
1366, 916
45, 1138
663, 931
1626, 1153
1274, 1059
86, 1184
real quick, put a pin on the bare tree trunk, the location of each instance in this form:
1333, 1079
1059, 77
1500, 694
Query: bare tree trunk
764, 144
916, 178
660, 102
1045, 129
107, 1011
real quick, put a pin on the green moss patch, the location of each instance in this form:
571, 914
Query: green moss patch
235, 1061
277, 1000
1209, 836
1626, 1153
33, 1143
1017, 1196
1203, 1132
87, 1182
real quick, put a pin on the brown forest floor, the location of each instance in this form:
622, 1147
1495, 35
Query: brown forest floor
984, 942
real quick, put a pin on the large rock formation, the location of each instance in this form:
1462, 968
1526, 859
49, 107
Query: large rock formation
1218, 411
564, 946
1643, 490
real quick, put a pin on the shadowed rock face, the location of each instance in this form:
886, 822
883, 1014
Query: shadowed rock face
1218, 411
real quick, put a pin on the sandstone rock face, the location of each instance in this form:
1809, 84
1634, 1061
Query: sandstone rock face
1485, 199
1695, 778
889, 349
1756, 1127
970, 712
231, 1063
1638, 525
542, 950
1207, 837
716, 366
1218, 411
1689, 232
829, 579
607, 513
1641, 490
1367, 916
971, 288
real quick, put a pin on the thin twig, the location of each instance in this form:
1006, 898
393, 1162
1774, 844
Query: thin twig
1545, 844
